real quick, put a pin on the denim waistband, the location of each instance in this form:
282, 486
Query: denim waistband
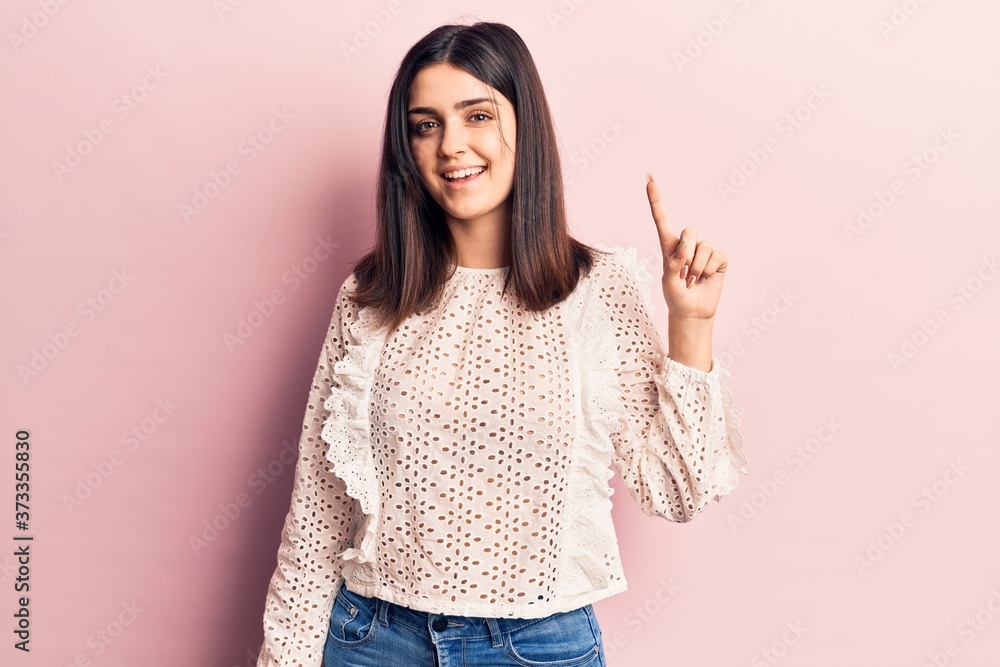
453, 627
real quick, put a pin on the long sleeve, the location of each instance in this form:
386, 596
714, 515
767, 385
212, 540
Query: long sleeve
678, 445
320, 523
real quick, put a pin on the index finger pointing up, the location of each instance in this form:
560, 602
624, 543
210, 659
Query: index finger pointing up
668, 239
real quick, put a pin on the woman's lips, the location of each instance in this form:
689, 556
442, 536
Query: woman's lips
464, 183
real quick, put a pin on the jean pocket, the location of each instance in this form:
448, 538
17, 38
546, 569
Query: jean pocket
352, 620
566, 639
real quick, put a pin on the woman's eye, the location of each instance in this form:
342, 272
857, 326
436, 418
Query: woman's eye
480, 116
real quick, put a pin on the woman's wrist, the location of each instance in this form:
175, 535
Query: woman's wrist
690, 342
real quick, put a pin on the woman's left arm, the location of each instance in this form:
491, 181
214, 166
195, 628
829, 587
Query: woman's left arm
676, 438
680, 447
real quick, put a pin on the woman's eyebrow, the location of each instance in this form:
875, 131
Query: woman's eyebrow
460, 105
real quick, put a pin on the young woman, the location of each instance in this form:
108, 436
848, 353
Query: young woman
482, 372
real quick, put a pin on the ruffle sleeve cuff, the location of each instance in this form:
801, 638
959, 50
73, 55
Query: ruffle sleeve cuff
724, 460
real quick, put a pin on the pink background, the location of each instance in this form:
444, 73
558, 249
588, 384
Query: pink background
810, 318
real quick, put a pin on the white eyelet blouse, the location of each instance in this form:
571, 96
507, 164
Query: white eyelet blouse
461, 466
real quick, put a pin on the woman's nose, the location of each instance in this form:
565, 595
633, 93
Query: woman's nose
453, 139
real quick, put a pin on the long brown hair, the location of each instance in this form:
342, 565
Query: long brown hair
406, 269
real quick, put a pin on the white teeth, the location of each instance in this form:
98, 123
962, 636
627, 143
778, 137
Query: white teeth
463, 172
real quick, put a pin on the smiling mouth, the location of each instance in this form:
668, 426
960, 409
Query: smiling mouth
463, 179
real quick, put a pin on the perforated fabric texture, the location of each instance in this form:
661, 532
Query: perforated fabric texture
462, 466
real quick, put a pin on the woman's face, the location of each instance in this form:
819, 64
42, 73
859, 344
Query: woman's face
453, 125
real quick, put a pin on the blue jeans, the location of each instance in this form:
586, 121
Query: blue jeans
372, 632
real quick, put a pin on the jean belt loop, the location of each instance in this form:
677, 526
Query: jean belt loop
383, 611
495, 635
